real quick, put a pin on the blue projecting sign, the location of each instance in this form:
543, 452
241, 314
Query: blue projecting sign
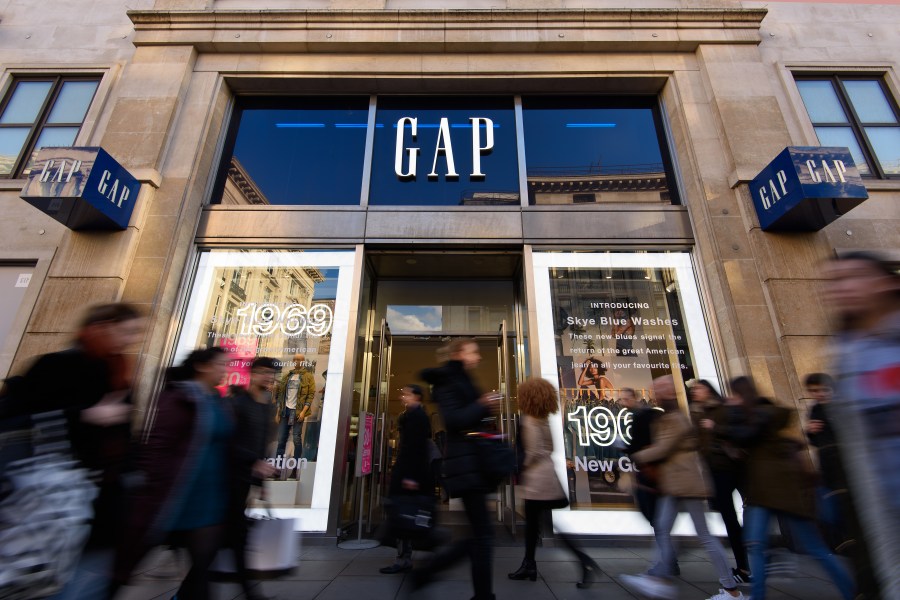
805, 188
84, 188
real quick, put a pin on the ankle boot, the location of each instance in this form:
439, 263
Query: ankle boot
528, 570
590, 572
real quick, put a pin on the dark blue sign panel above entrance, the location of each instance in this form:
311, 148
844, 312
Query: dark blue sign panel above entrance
446, 151
84, 188
805, 188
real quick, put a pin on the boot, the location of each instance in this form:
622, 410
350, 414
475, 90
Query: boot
590, 571
528, 570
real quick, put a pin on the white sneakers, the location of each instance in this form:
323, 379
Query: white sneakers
650, 587
723, 595
656, 588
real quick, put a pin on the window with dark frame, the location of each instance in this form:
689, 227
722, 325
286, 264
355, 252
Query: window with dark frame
41, 112
859, 113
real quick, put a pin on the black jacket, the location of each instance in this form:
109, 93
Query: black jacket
457, 398
252, 421
829, 453
413, 458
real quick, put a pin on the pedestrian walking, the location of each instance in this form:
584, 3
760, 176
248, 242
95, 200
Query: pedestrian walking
411, 474
539, 485
726, 465
684, 485
90, 382
779, 483
863, 291
463, 408
185, 464
253, 411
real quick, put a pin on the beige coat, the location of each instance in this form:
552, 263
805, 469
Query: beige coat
539, 480
681, 470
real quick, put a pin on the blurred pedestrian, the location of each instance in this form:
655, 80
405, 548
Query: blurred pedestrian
463, 408
253, 411
185, 463
831, 493
411, 474
684, 485
645, 489
295, 393
540, 486
726, 465
779, 483
91, 383
863, 290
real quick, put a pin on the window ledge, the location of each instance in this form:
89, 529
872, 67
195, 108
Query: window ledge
882, 185
12, 185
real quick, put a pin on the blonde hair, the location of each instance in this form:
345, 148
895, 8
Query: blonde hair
456, 346
538, 398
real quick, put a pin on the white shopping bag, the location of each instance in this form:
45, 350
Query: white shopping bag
272, 545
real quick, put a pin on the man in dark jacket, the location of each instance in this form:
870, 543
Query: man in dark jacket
642, 417
463, 408
412, 470
253, 415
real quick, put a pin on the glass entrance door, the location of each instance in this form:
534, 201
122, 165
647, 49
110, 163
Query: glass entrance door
382, 451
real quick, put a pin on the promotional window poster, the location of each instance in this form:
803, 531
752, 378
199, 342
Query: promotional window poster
615, 330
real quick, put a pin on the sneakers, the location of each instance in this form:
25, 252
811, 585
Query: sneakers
398, 567
650, 587
741, 576
723, 595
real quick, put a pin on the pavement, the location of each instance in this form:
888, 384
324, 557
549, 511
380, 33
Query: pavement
326, 572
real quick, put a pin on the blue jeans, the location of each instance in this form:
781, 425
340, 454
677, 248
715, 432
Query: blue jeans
91, 577
287, 424
808, 540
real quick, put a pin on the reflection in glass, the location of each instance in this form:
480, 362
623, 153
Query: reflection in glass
11, 141
52, 137
843, 136
470, 166
415, 319
614, 329
821, 101
298, 152
869, 101
579, 152
886, 144
26, 102
72, 103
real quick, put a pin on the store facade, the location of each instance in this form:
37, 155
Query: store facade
348, 190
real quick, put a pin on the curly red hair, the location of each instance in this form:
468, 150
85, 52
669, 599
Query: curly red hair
538, 398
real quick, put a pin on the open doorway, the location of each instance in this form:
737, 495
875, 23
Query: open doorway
414, 312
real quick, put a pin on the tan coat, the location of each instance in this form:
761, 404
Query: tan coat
539, 480
681, 470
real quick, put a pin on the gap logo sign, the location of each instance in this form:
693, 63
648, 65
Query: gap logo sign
805, 188
84, 188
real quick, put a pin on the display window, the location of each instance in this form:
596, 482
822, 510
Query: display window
610, 323
292, 306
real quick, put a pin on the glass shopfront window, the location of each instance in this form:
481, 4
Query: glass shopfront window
292, 306
445, 151
607, 322
295, 151
589, 151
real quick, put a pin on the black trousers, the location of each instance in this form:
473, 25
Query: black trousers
478, 547
238, 530
725, 483
537, 516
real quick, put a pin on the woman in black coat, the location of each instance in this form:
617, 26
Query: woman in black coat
412, 470
463, 408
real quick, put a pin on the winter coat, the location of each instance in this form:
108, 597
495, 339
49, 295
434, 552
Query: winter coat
778, 473
720, 453
825, 441
538, 480
413, 456
457, 398
682, 472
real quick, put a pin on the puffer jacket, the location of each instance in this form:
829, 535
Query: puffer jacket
682, 472
457, 398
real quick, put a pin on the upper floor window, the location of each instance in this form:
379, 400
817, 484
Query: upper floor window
858, 113
38, 113
593, 150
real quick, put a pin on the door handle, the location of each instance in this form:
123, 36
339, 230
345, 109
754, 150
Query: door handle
381, 443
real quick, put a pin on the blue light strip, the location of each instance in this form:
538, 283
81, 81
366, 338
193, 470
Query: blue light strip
300, 125
590, 125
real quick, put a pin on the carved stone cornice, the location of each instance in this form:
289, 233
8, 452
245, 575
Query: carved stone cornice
400, 31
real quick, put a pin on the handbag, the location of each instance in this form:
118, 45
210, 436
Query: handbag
496, 459
411, 516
